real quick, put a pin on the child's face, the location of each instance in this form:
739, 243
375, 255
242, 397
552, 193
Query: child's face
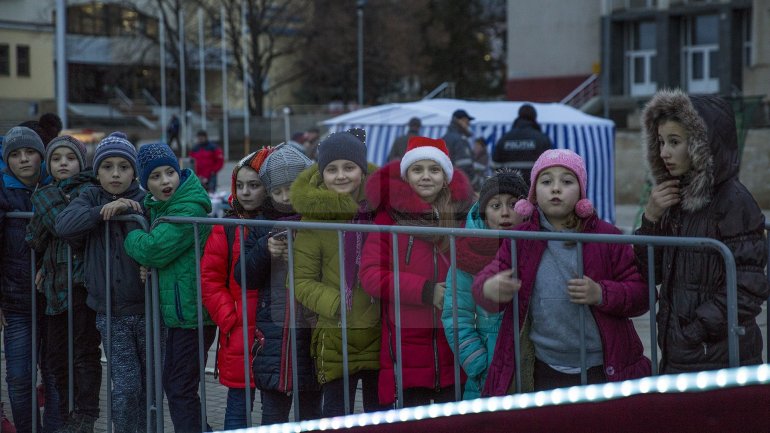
248, 189
673, 140
63, 163
163, 182
343, 176
25, 165
499, 212
280, 194
426, 177
558, 190
115, 174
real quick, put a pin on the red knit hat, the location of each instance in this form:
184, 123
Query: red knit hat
253, 160
419, 148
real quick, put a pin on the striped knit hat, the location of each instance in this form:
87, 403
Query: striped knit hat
115, 144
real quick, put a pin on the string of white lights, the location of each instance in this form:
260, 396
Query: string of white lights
671, 384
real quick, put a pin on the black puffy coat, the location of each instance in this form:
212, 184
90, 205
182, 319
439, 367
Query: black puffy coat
692, 316
520, 147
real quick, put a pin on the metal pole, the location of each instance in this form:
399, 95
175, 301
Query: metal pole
245, 313
516, 318
202, 68
360, 14
182, 85
652, 299
246, 138
108, 319
34, 355
163, 115
605, 71
397, 300
344, 321
583, 313
70, 337
225, 102
287, 123
201, 344
455, 330
293, 327
61, 61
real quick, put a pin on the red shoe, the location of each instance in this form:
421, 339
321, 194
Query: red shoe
6, 426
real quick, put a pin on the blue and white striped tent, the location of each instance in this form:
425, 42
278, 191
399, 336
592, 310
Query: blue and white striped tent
591, 137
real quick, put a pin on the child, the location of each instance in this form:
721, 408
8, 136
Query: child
66, 162
423, 189
266, 269
551, 293
222, 293
82, 223
477, 328
692, 151
170, 249
331, 191
23, 153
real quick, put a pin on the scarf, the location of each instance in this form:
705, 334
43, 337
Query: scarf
353, 243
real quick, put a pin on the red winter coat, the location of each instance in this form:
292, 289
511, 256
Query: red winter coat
209, 159
224, 306
427, 359
624, 295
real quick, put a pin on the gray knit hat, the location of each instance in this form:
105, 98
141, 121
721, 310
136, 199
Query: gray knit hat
71, 143
115, 144
349, 145
20, 137
283, 166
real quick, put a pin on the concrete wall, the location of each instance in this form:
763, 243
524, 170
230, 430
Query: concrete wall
551, 38
631, 167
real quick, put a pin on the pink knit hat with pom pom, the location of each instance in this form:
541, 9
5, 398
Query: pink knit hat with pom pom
557, 158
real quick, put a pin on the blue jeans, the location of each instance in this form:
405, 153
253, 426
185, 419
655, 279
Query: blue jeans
18, 365
334, 394
235, 412
276, 406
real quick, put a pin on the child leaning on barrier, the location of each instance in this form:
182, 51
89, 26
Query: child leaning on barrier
23, 152
82, 223
551, 292
333, 191
266, 270
66, 158
222, 294
422, 190
477, 328
692, 151
170, 248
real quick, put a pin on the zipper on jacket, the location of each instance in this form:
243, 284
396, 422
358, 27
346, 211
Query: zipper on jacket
178, 302
409, 248
437, 380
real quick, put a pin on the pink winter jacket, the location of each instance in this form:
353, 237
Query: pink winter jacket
624, 295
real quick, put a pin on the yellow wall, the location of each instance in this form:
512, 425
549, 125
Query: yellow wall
40, 83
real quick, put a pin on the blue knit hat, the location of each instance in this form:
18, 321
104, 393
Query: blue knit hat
152, 156
115, 144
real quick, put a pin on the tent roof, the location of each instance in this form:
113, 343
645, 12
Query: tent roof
435, 112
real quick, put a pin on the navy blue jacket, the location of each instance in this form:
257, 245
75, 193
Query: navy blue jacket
15, 256
272, 364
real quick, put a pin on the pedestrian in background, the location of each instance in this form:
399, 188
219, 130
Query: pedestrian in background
208, 158
399, 144
523, 144
456, 139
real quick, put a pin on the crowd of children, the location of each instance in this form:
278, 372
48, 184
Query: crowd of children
692, 153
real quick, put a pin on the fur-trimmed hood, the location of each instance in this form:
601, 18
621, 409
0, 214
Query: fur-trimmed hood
712, 145
311, 199
386, 190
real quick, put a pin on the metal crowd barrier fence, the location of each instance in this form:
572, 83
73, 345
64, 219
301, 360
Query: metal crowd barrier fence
154, 402
734, 330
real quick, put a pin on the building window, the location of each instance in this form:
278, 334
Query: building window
640, 4
746, 32
22, 61
641, 56
5, 60
701, 53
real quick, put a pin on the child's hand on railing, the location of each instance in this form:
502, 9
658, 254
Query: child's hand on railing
142, 274
584, 291
501, 287
118, 207
438, 295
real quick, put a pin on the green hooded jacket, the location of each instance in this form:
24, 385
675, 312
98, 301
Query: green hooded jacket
170, 248
317, 280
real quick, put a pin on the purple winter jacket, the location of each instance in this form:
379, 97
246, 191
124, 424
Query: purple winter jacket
624, 295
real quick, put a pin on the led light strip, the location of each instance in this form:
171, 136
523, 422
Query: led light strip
687, 382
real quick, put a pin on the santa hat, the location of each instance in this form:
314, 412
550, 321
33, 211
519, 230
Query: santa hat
557, 158
419, 148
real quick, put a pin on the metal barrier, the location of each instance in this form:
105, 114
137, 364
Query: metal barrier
154, 402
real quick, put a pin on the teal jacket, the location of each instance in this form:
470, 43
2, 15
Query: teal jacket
170, 248
476, 327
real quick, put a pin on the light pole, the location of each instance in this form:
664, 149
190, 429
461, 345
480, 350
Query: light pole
360, 12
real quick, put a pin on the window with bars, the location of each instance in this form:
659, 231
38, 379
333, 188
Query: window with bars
23, 68
5, 60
